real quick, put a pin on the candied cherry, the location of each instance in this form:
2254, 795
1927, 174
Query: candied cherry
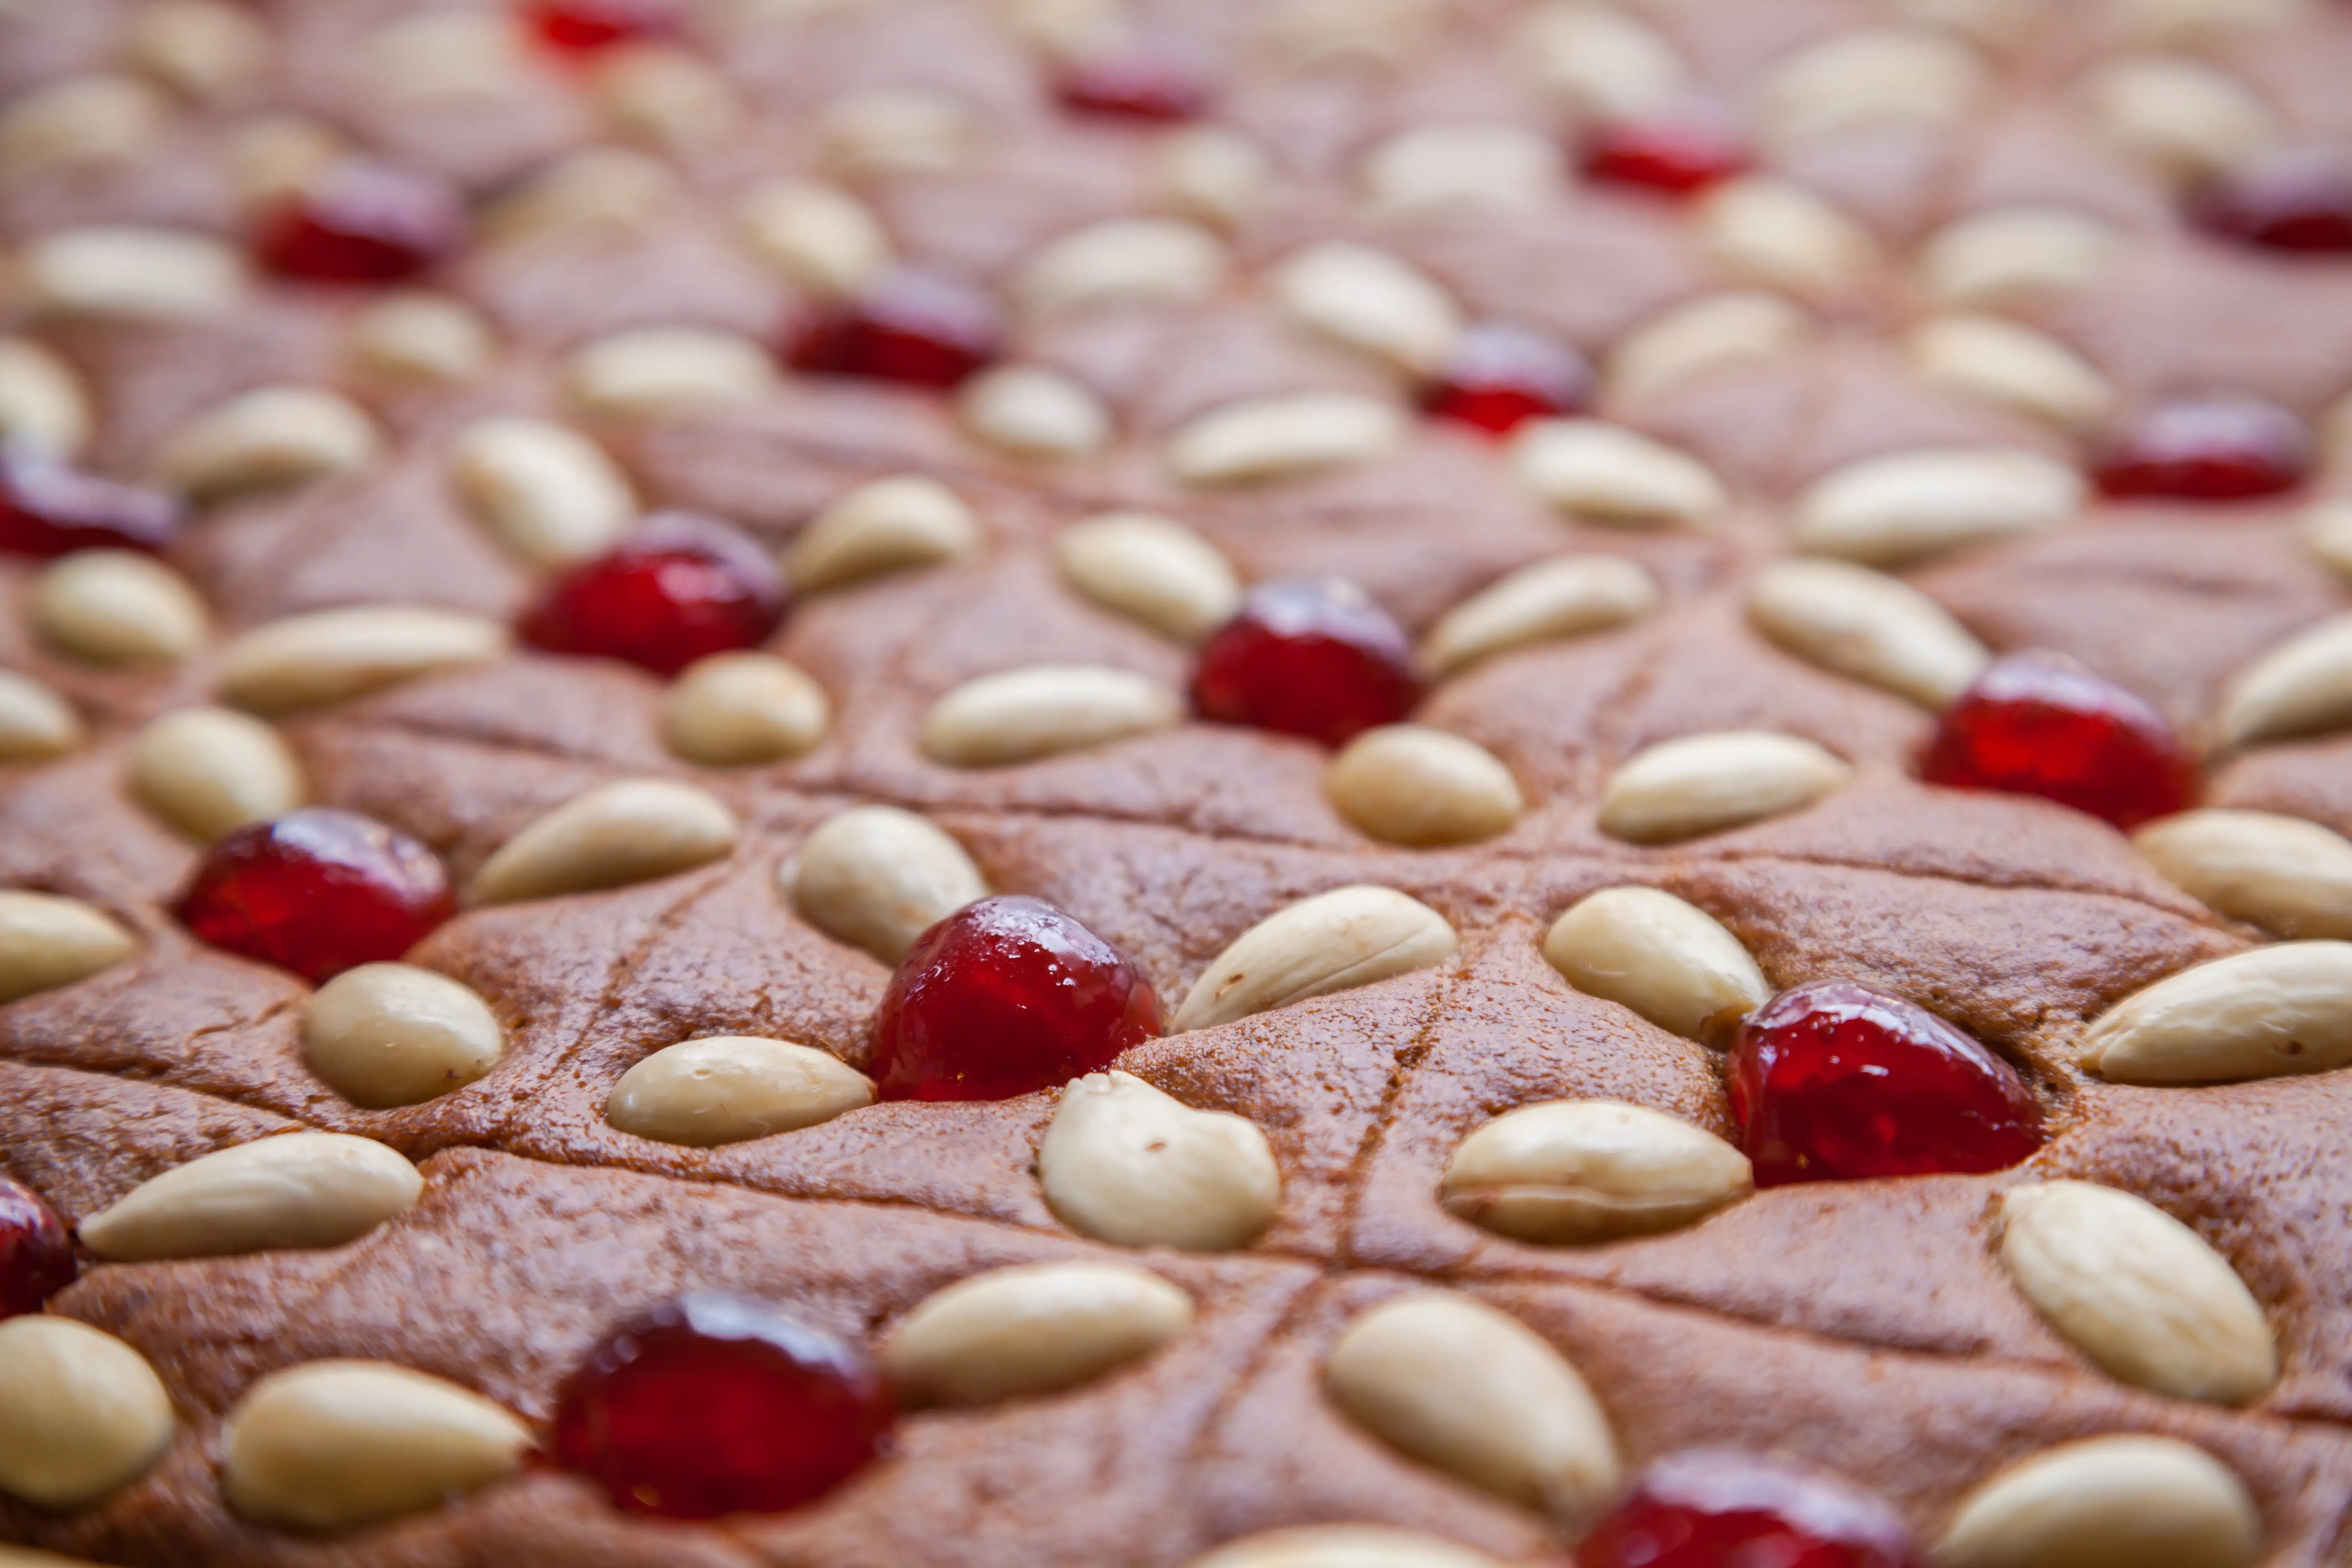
2297, 199
921, 328
679, 589
1722, 1509
1307, 656
1003, 998
585, 27
1677, 153
359, 221
1500, 374
37, 1258
1836, 1082
2208, 448
716, 1404
316, 891
1134, 81
48, 508
2040, 723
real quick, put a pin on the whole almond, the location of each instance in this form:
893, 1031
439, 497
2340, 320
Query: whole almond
116, 607
1706, 783
35, 721
333, 656
1124, 260
204, 48
2013, 367
43, 408
1780, 235
333, 1445
81, 1413
1343, 1546
1125, 1163
209, 770
392, 1034
1213, 173
1284, 437
877, 877
1436, 168
1332, 942
1669, 961
662, 372
1602, 473
1472, 1391
1565, 598
740, 710
2014, 255
2328, 528
1409, 784
1865, 625
80, 123
2108, 1502
1372, 301
1031, 1328
724, 1088
823, 239
549, 494
268, 438
878, 132
2271, 1013
1870, 76
614, 835
2191, 119
1894, 510
2290, 876
1150, 569
300, 1190
1043, 711
1033, 412
2137, 1291
882, 526
416, 336
2300, 687
1578, 1171
135, 274
1599, 62
47, 941
1700, 337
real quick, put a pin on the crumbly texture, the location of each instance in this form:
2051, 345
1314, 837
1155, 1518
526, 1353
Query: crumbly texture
1864, 1327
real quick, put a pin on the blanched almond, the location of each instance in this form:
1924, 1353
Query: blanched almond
417, 58
2290, 876
1669, 961
2329, 531
1343, 1546
878, 132
2013, 255
272, 158
1283, 436
2191, 119
1870, 76
392, 1034
205, 48
549, 494
614, 835
1123, 260
661, 373
81, 1413
1372, 301
132, 274
268, 438
209, 770
35, 721
1706, 334
47, 941
1332, 942
2108, 1502
738, 710
43, 408
1408, 784
422, 337
1577, 1171
1890, 510
877, 877
333, 656
1214, 174
821, 238
334, 1445
2302, 686
80, 123
2270, 1013
1150, 569
1043, 711
1598, 60
1706, 783
1565, 598
664, 95
1033, 412
1443, 167
1472, 1391
615, 192
2012, 366
116, 607
882, 525
1782, 235
2137, 1291
1601, 473
300, 1190
723, 1088
1867, 626
1031, 1328
1124, 1162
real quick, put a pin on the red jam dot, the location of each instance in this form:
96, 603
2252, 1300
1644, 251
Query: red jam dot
362, 221
37, 1258
1307, 656
1154, 85
318, 892
1678, 154
1500, 375
919, 328
1004, 997
1837, 1081
2298, 199
584, 26
49, 509
713, 1405
2207, 449
2039, 723
679, 589
1720, 1509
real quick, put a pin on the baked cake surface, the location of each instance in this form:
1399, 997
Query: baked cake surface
1888, 396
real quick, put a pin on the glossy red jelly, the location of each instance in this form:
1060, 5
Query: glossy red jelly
48, 508
713, 1404
362, 221
37, 1258
1307, 656
1675, 154
678, 589
1156, 85
1003, 998
316, 891
585, 27
1500, 375
1709, 1507
2040, 723
919, 328
2298, 199
2207, 449
1837, 1081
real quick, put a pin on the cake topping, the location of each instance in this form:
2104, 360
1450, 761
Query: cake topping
2141, 1500
2298, 687
1567, 596
1133, 80
727, 1088
210, 771
418, 336
36, 723
1676, 153
1343, 1546
1705, 335
1214, 174
877, 877
2290, 876
2012, 367
821, 237
1312, 657
1331, 941
1408, 784
1866, 625
359, 221
2192, 120
1498, 375
740, 710
1030, 1330
713, 1405
333, 656
616, 834
922, 329
81, 1413
1895, 509
1006, 996
677, 589
1582, 1171
1033, 412
1780, 235
47, 940
1372, 301
549, 494
1461, 1386
2267, 1012
1839, 1081
122, 272
658, 372
2039, 723
43, 407
318, 892
1124, 1162
268, 438
1669, 961
1698, 785
392, 1034
300, 1190
1286, 436
587, 26
2207, 449
37, 1258
335, 1445
2295, 199
116, 607
882, 526
1043, 711
1604, 474
2016, 255
1708, 1508
47, 508
1122, 260
1150, 569
1442, 167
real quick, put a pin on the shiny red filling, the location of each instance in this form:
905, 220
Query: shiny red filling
1311, 656
1152, 85
316, 891
679, 589
2039, 723
1721, 1508
2208, 448
1500, 375
48, 508
584, 26
1677, 154
362, 221
37, 1258
2298, 199
918, 328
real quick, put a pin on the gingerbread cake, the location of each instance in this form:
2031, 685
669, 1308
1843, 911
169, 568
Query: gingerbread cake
1130, 783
